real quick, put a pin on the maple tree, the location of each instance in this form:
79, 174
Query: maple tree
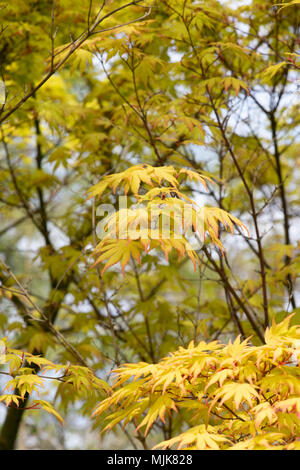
189, 111
245, 397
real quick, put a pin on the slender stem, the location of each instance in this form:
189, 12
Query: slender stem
73, 46
286, 223
68, 346
142, 297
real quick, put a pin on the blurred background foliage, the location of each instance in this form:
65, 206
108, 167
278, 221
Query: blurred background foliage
212, 86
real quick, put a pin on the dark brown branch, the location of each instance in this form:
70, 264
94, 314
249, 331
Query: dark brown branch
234, 294
73, 46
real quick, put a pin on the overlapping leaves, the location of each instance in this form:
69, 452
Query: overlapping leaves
164, 218
244, 397
26, 375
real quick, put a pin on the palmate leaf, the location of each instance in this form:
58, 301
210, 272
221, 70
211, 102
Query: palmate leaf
271, 71
128, 394
237, 401
128, 413
127, 224
25, 383
157, 408
273, 383
11, 399
267, 441
290, 405
199, 437
132, 178
121, 251
224, 83
15, 362
116, 251
237, 392
264, 412
234, 48
194, 175
45, 405
220, 377
129, 232
211, 215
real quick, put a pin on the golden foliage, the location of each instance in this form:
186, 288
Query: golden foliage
244, 397
164, 217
